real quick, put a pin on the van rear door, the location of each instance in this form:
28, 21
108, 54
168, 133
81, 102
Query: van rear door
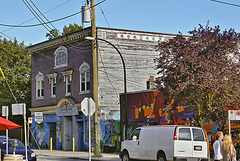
199, 143
183, 142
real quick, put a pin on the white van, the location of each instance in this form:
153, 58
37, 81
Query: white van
165, 142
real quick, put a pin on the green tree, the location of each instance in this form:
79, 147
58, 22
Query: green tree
71, 28
53, 34
66, 30
15, 63
201, 70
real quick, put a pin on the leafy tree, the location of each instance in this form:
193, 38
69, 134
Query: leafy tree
53, 34
201, 70
71, 28
15, 64
66, 30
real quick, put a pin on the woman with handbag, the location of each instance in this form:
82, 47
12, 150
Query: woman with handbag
229, 152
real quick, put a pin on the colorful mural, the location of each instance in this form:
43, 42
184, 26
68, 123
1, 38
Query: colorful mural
109, 127
148, 108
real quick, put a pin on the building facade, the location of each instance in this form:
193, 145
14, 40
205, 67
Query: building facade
62, 78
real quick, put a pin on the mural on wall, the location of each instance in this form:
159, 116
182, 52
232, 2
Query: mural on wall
109, 126
40, 136
148, 108
41, 132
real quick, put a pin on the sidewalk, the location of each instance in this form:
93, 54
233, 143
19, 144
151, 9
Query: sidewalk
74, 155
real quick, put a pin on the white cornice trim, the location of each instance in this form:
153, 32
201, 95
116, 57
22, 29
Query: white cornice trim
60, 41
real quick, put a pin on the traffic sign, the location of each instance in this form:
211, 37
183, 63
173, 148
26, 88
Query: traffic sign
234, 114
19, 109
4, 110
86, 105
29, 120
38, 117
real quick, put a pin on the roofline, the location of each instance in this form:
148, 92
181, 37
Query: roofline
147, 32
61, 40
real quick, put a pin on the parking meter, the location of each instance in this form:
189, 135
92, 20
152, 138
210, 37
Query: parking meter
14, 145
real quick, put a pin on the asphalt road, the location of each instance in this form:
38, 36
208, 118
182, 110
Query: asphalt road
49, 158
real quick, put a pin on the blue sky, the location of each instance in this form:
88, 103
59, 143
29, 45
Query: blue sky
164, 16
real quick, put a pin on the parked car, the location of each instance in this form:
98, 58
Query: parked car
165, 142
20, 149
2, 137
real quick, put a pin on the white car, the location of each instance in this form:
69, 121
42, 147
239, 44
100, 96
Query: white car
165, 142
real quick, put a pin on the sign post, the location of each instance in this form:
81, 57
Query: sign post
29, 122
88, 108
20, 109
5, 113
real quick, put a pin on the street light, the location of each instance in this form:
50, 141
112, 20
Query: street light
125, 80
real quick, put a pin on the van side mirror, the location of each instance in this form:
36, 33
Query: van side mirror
134, 138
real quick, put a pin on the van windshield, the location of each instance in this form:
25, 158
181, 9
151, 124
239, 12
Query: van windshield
135, 133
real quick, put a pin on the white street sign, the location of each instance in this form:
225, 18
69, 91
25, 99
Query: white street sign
234, 114
237, 112
84, 106
18, 109
231, 115
29, 120
92, 106
38, 117
4, 110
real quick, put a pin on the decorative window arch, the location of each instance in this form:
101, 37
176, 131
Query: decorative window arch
40, 86
61, 57
84, 70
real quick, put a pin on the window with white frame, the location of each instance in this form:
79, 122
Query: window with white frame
84, 70
40, 86
52, 81
68, 84
61, 57
68, 81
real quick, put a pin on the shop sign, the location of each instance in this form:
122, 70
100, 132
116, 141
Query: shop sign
66, 111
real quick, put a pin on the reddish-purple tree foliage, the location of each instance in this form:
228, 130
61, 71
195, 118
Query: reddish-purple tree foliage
202, 70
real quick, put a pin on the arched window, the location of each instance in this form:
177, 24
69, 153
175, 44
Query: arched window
40, 86
61, 57
84, 70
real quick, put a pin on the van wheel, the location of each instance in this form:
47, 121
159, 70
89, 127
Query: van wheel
161, 157
125, 156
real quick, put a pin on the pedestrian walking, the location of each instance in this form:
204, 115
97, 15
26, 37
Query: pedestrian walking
229, 152
217, 146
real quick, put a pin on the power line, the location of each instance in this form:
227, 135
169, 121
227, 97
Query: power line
6, 25
104, 16
231, 4
34, 18
42, 14
37, 16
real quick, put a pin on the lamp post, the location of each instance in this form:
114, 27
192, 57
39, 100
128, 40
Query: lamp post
125, 80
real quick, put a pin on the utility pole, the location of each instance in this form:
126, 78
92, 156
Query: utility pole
95, 77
